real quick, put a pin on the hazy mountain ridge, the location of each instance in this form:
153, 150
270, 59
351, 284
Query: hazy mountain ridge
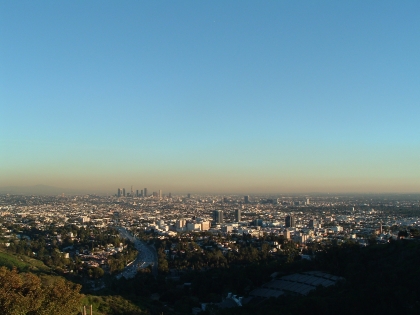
43, 190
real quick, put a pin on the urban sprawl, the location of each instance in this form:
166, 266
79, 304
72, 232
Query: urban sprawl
88, 236
303, 219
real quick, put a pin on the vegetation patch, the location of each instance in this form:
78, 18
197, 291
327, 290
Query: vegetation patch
10, 262
23, 263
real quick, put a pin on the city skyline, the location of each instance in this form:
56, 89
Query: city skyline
44, 190
192, 97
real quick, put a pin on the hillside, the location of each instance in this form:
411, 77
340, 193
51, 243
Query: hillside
23, 263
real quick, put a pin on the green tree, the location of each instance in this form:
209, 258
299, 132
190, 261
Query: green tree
26, 293
19, 294
61, 297
98, 272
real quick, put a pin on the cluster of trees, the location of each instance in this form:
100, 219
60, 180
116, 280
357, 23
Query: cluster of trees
118, 262
189, 255
143, 284
26, 293
43, 245
42, 241
49, 254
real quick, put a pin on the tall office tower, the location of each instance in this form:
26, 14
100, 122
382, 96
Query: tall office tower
160, 194
141, 193
119, 192
246, 199
170, 195
137, 193
238, 215
313, 223
308, 202
124, 192
180, 223
218, 216
131, 194
145, 192
290, 221
189, 196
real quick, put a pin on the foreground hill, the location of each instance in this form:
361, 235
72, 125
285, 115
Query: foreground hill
26, 293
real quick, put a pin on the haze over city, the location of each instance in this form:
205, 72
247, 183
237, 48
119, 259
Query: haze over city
211, 97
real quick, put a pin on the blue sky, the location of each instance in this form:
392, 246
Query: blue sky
211, 96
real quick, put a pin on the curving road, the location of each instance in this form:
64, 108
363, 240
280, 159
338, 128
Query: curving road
147, 256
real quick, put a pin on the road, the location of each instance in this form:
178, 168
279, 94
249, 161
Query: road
147, 256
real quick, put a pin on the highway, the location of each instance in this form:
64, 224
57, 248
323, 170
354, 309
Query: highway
147, 256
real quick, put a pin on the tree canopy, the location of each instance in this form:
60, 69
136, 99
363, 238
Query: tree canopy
26, 293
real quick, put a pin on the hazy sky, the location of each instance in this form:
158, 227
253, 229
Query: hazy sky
211, 96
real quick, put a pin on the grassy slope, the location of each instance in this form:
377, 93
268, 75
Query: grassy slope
11, 261
111, 304
23, 263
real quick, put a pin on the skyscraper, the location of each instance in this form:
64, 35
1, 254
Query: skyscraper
313, 223
246, 199
145, 192
180, 223
119, 192
238, 215
290, 221
137, 193
124, 192
218, 216
160, 194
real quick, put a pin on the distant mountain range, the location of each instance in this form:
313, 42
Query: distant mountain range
43, 190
